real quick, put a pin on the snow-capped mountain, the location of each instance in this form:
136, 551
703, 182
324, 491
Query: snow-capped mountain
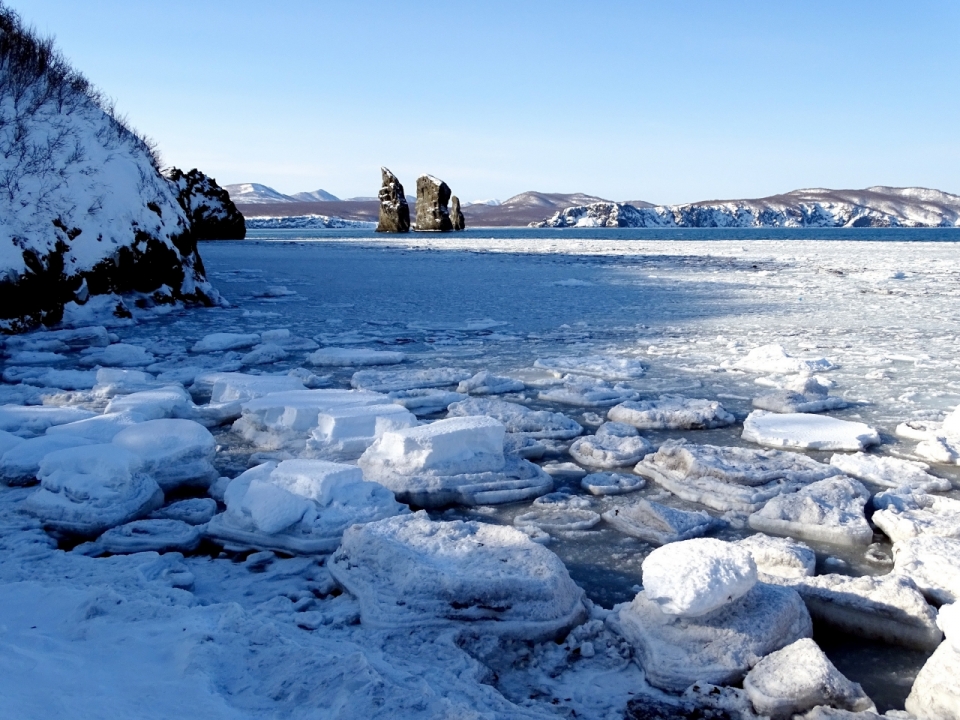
255, 193
493, 202
534, 199
877, 206
315, 196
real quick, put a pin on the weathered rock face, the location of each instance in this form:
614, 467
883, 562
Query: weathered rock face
394, 211
211, 212
433, 195
456, 217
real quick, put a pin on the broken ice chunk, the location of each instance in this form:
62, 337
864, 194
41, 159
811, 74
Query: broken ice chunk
933, 563
903, 514
19, 465
602, 366
34, 420
486, 383
390, 380
193, 511
517, 418
340, 357
611, 483
889, 471
119, 354
173, 452
935, 692
222, 341
672, 412
558, 518
231, 386
806, 431
775, 359
171, 401
779, 557
150, 536
265, 354
614, 445
426, 401
344, 433
659, 524
585, 391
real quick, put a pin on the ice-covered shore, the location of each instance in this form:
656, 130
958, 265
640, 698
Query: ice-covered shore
220, 579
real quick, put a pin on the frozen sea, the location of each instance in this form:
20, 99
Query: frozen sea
883, 305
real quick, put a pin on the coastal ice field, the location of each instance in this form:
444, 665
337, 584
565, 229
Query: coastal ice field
222, 599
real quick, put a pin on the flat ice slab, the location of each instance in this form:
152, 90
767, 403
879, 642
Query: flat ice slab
659, 524
347, 357
603, 366
344, 433
557, 518
778, 557
20, 464
27, 421
585, 391
99, 428
193, 511
232, 386
391, 380
150, 536
903, 514
933, 563
798, 678
222, 341
829, 511
410, 571
889, 472
718, 648
807, 432
790, 401
672, 412
541, 424
612, 483
174, 452
614, 445
171, 401
486, 383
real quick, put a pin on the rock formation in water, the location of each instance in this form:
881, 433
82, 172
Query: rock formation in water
394, 211
433, 195
456, 216
211, 212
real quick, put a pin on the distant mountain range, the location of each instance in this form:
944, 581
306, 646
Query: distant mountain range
878, 206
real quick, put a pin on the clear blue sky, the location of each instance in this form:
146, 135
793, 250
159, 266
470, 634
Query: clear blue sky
668, 101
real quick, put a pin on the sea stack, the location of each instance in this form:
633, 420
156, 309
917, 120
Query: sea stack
456, 216
433, 195
394, 211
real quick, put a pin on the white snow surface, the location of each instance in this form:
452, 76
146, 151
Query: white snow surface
671, 413
806, 431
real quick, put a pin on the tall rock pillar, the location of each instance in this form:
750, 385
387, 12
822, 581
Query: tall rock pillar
456, 216
394, 211
432, 198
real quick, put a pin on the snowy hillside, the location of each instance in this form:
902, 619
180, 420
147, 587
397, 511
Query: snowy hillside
83, 207
315, 196
255, 193
874, 207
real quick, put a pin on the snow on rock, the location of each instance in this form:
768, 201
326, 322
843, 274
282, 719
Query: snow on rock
19, 465
117, 355
671, 412
602, 366
807, 432
829, 511
86, 490
297, 507
889, 471
348, 357
729, 478
209, 209
611, 483
410, 571
32, 420
659, 524
694, 577
150, 536
392, 380
778, 557
614, 445
344, 433
457, 460
888, 608
193, 511
173, 452
905, 514
427, 401
798, 678
936, 692
486, 383
222, 341
775, 359
541, 424
171, 401
586, 391
933, 563
717, 648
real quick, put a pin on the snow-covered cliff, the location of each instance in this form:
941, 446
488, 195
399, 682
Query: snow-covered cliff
874, 207
211, 212
83, 207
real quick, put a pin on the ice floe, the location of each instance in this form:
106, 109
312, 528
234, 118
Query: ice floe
904, 514
410, 571
19, 465
829, 511
392, 380
889, 472
174, 452
602, 366
118, 355
933, 563
671, 412
612, 483
935, 693
99, 428
351, 357
233, 386
805, 431
193, 511
486, 383
799, 394
614, 445
223, 341
778, 557
775, 359
541, 424
34, 420
265, 354
171, 401
344, 433
659, 524
558, 518
150, 536
585, 391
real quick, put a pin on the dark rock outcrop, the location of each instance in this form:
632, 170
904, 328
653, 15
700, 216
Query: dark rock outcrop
211, 212
456, 216
433, 195
394, 211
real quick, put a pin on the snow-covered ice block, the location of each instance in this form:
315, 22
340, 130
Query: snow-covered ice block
174, 452
19, 465
889, 471
193, 511
775, 359
150, 536
659, 524
948, 620
523, 446
806, 431
392, 380
353, 357
695, 577
829, 511
231, 386
564, 470
86, 490
171, 401
612, 483
265, 354
8, 440
122, 381
585, 391
933, 563
284, 338
345, 433
936, 692
425, 401
541, 424
671, 412
790, 401
552, 518
486, 383
779, 557
409, 571
614, 445
51, 377
99, 428
798, 678
34, 420
602, 366
117, 355
918, 429
221, 341
905, 515
889, 608
717, 648
729, 478
298, 506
